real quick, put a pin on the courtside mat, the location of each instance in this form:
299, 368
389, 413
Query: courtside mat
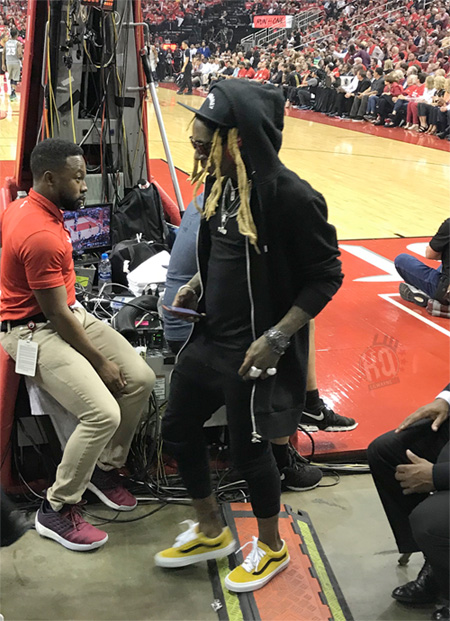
306, 591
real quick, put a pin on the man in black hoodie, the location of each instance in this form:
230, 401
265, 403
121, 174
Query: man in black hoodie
268, 263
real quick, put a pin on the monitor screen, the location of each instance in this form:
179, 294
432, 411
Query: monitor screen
89, 228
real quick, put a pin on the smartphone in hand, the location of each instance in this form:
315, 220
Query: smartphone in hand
179, 310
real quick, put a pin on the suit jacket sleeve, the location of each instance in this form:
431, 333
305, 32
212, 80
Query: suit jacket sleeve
441, 469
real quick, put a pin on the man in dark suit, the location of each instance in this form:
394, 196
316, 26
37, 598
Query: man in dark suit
410, 467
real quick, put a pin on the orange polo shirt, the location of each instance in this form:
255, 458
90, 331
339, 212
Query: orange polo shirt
36, 254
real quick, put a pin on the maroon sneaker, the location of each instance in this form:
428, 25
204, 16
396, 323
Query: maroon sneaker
108, 486
68, 528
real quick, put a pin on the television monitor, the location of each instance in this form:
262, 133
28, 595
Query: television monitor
106, 5
89, 228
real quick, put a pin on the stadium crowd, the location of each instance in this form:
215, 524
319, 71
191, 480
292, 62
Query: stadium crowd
372, 60
13, 13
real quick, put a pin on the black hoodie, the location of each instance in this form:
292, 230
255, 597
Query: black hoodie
297, 263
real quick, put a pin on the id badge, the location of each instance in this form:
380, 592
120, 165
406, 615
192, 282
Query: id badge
26, 360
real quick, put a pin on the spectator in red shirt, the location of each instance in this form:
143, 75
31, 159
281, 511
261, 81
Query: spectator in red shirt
263, 73
412, 91
247, 71
242, 70
85, 365
388, 98
413, 62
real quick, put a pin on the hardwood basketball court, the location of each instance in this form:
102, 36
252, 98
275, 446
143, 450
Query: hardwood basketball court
385, 196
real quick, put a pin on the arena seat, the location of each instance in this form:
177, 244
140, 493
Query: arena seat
41, 404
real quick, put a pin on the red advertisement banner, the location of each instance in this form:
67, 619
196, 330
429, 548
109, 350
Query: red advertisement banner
269, 21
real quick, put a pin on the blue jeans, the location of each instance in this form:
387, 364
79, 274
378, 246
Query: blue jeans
416, 273
371, 104
399, 104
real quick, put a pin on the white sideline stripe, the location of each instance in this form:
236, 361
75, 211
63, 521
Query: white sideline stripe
388, 298
376, 260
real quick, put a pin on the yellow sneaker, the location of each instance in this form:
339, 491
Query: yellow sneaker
191, 547
260, 566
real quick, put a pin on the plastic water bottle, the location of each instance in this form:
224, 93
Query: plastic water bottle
104, 270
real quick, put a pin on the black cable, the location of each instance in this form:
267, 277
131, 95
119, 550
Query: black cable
303, 460
331, 473
106, 299
114, 519
6, 451
313, 445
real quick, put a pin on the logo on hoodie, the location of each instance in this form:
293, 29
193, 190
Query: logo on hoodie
211, 101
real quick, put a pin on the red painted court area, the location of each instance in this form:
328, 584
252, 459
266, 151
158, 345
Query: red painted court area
378, 358
160, 171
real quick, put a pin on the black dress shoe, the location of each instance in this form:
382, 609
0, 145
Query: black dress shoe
441, 613
422, 590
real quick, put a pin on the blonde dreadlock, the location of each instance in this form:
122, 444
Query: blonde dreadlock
244, 217
245, 220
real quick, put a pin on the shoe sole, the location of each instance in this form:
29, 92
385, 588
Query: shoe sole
411, 602
290, 488
257, 584
313, 428
421, 299
106, 501
162, 561
75, 547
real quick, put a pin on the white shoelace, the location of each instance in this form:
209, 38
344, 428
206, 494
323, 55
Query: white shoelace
188, 535
253, 559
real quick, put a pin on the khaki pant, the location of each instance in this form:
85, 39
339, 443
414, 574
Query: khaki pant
106, 425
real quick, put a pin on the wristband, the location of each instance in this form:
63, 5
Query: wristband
188, 287
277, 340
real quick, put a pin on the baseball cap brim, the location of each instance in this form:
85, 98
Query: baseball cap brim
215, 109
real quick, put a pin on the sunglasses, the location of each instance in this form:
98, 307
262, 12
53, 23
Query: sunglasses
203, 148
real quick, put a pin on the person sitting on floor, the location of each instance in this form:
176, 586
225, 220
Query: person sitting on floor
423, 282
410, 468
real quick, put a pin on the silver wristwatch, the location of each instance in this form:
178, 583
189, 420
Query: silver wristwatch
277, 340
